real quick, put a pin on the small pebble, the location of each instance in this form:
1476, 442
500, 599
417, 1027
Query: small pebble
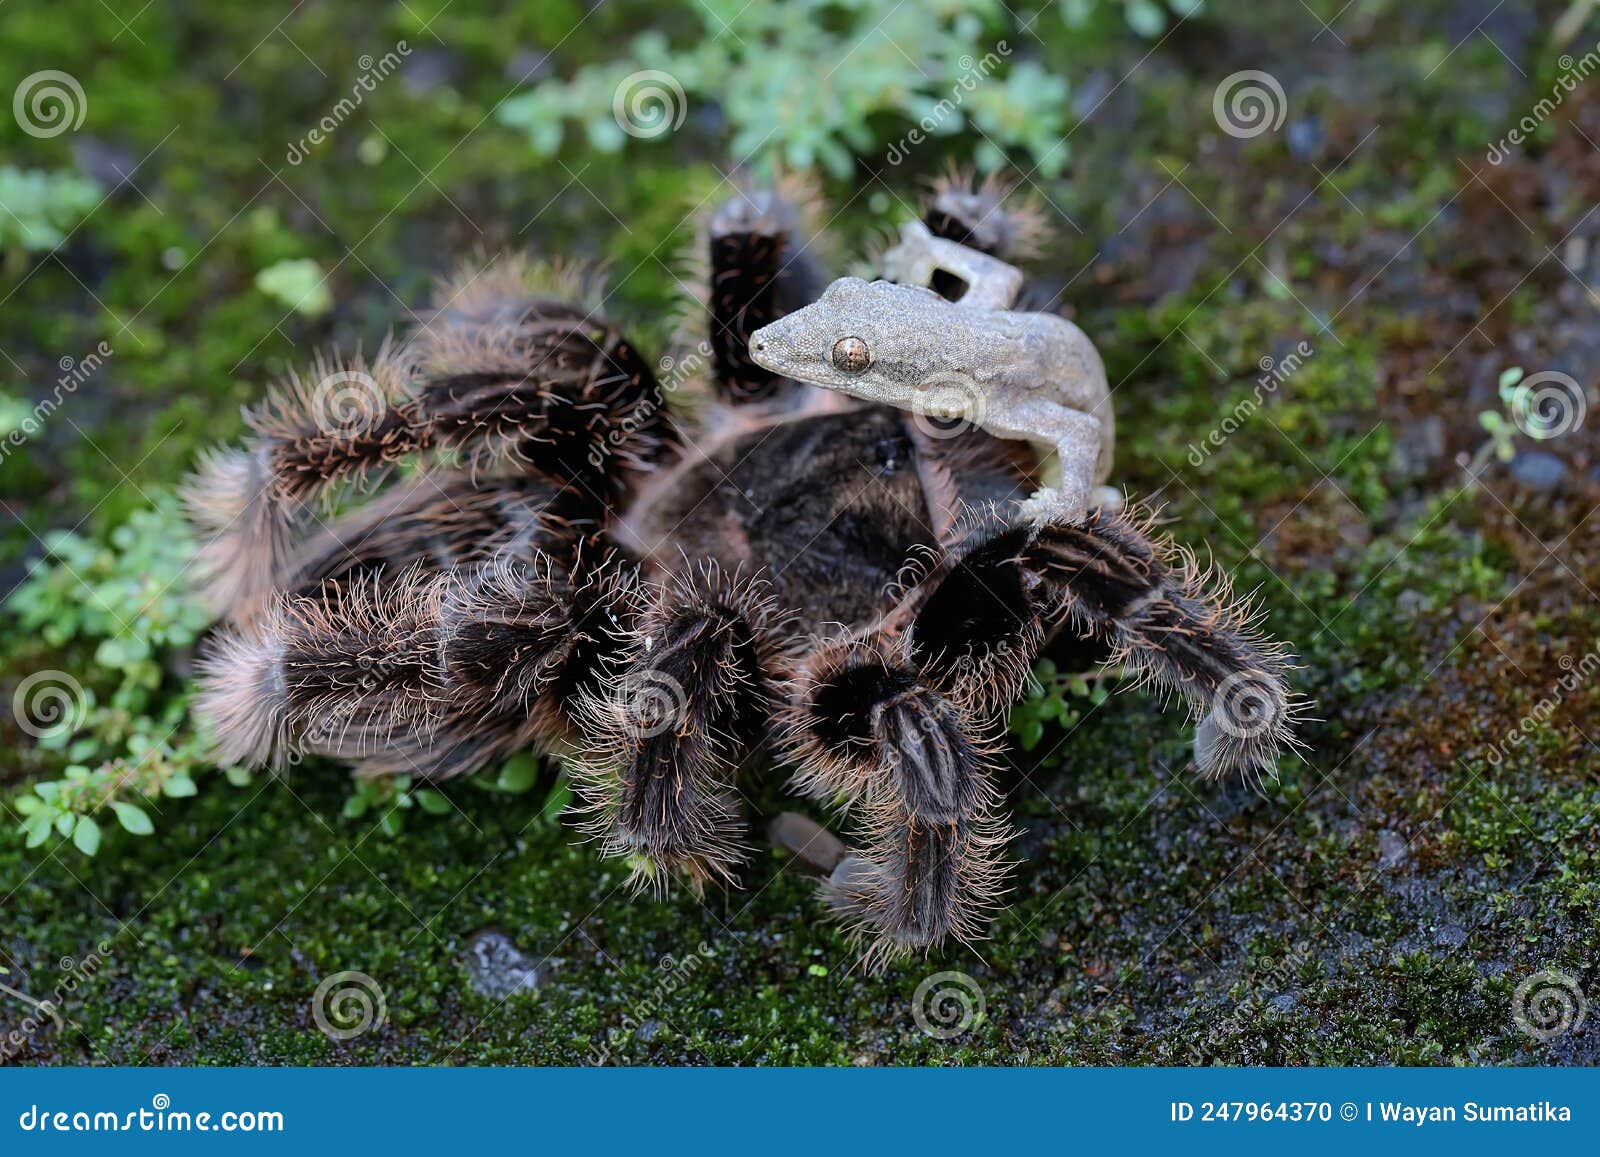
498, 968
1538, 469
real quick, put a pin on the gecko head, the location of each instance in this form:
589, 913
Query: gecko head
870, 339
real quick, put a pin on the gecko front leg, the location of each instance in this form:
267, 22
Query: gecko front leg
1076, 438
991, 283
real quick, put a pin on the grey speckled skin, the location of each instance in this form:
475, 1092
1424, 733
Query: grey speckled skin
1032, 377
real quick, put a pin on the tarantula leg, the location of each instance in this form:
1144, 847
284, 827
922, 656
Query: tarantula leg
433, 675
864, 728
685, 707
988, 216
510, 381
760, 270
977, 626
438, 522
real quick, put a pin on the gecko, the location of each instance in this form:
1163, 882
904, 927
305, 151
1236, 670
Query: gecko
1032, 377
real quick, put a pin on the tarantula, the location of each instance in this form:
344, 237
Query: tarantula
667, 595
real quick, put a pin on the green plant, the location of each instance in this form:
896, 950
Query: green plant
391, 797
124, 744
1502, 425
37, 209
299, 284
122, 736
127, 596
1054, 696
816, 82
1146, 17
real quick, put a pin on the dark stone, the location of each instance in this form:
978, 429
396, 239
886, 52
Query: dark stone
428, 69
1538, 469
1305, 138
111, 165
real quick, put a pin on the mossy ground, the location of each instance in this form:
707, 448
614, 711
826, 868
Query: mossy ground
1380, 903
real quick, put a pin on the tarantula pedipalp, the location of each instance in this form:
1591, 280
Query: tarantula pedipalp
574, 567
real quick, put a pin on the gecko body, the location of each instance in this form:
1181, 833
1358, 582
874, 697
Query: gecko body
1033, 377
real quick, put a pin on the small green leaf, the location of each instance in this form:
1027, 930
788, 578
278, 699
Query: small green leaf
179, 786
38, 828
518, 774
556, 803
432, 802
86, 835
300, 285
133, 818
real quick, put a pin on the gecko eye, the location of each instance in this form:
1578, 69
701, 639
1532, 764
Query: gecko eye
851, 355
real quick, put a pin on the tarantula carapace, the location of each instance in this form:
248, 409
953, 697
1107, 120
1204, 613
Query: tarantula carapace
663, 595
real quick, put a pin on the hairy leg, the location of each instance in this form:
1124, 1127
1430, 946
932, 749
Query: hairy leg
913, 767
987, 216
686, 703
760, 270
510, 381
422, 673
977, 624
